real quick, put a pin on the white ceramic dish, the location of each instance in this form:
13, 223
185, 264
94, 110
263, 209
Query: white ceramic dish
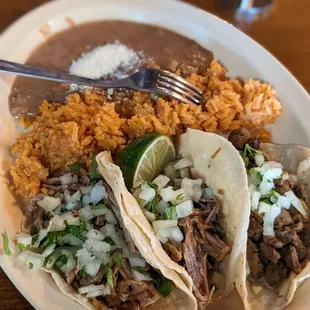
241, 55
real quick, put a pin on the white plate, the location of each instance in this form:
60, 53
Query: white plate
241, 55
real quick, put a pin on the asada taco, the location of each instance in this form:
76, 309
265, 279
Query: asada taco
279, 229
81, 234
195, 213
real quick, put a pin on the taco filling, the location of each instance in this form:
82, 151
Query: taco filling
77, 231
279, 232
186, 218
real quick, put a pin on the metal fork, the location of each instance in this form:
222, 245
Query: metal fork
147, 80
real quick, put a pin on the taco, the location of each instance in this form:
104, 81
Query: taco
277, 259
81, 234
195, 214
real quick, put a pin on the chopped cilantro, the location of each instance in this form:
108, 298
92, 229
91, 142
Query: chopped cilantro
5, 241
83, 274
117, 259
153, 185
109, 275
98, 207
250, 152
30, 265
265, 200
140, 269
178, 199
62, 260
170, 213
163, 285
109, 240
75, 167
94, 175
21, 246
153, 204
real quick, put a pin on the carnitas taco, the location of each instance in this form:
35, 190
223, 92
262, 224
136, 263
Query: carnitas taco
81, 234
277, 258
195, 213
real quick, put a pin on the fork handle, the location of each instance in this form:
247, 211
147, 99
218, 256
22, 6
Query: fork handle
39, 73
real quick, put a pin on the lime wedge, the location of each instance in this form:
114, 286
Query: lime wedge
145, 158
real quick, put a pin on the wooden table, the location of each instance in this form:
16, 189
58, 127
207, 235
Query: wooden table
284, 32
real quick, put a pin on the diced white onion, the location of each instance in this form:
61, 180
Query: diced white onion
70, 218
147, 194
171, 173
265, 186
49, 203
95, 234
67, 196
52, 259
30, 259
57, 223
162, 206
284, 202
92, 267
86, 200
72, 240
175, 234
86, 213
75, 197
98, 212
105, 258
263, 207
59, 195
42, 235
108, 230
255, 200
96, 245
97, 193
192, 188
49, 250
270, 165
137, 262
295, 201
71, 263
89, 225
66, 179
71, 205
149, 215
86, 189
138, 276
163, 224
168, 194
184, 173
185, 208
269, 220
259, 159
274, 173
182, 163
161, 181
110, 217
83, 257
24, 239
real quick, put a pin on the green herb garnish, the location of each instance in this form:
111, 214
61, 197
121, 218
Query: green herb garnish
109, 275
94, 175
61, 261
153, 185
5, 241
83, 274
163, 285
178, 199
141, 270
109, 240
98, 207
75, 167
265, 200
250, 152
21, 246
117, 259
170, 213
30, 265
153, 204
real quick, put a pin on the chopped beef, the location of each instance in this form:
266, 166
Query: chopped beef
290, 256
273, 241
275, 273
301, 192
255, 230
255, 264
174, 250
297, 227
215, 247
255, 142
283, 186
283, 219
100, 221
94, 280
267, 253
305, 236
55, 187
53, 181
70, 276
140, 293
239, 138
219, 225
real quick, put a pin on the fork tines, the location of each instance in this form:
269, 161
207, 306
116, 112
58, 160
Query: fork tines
175, 86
